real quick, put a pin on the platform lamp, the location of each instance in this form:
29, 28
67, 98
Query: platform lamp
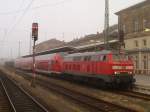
34, 38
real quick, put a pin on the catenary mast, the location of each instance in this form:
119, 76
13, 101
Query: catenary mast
106, 25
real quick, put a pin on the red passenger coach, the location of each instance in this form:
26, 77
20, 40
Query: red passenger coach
49, 63
106, 67
24, 63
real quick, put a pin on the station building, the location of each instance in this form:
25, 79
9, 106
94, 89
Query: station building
92, 42
135, 22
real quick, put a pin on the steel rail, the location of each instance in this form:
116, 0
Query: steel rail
8, 96
20, 99
135, 94
141, 87
10, 106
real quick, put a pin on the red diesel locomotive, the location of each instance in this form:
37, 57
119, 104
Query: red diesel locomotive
103, 67
106, 67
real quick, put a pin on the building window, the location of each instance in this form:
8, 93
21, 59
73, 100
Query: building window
144, 42
145, 62
136, 62
136, 26
136, 43
144, 24
124, 28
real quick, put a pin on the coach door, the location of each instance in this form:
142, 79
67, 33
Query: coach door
50, 65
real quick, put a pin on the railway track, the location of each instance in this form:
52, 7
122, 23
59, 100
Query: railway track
131, 93
135, 94
142, 88
5, 105
91, 102
20, 100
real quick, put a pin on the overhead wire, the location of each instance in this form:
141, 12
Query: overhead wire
23, 14
36, 7
14, 18
25, 11
6, 31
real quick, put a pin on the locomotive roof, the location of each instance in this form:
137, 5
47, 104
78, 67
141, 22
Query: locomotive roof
89, 53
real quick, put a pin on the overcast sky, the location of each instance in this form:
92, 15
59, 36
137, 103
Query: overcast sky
71, 18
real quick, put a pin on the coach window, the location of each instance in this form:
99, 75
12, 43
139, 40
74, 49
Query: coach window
56, 62
52, 62
70, 67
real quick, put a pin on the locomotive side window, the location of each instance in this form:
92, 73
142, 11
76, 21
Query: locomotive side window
87, 58
77, 58
95, 58
98, 58
104, 58
84, 58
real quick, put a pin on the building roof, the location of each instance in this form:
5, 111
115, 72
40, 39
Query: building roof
94, 44
48, 45
134, 6
55, 50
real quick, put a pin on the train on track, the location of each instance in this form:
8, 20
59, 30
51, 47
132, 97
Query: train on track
106, 68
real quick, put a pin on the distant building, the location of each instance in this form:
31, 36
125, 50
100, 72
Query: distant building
135, 22
92, 42
95, 42
48, 45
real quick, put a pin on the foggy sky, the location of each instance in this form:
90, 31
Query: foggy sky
71, 18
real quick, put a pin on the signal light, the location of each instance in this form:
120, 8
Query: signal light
35, 31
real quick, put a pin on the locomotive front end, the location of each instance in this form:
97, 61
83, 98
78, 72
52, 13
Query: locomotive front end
123, 70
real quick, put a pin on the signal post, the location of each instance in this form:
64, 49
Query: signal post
34, 38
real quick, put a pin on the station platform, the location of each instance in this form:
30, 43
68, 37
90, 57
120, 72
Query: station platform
143, 80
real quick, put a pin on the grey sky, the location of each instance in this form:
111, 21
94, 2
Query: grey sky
74, 18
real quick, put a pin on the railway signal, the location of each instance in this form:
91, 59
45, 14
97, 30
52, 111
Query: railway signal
35, 31
35, 38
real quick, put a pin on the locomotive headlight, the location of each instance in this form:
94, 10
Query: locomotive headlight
117, 73
116, 67
130, 72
